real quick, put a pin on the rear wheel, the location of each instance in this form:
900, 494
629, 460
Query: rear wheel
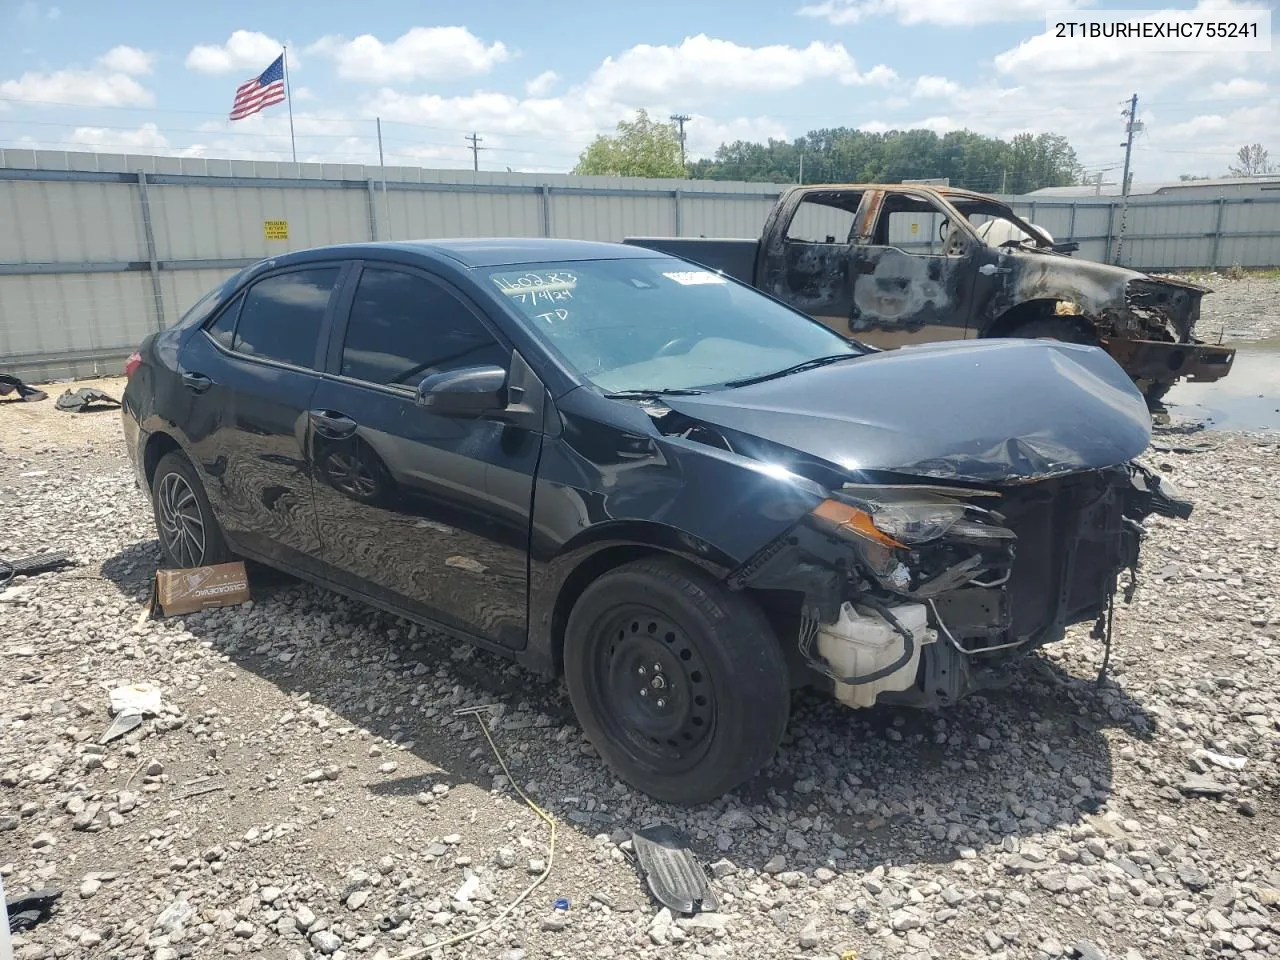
679, 684
189, 532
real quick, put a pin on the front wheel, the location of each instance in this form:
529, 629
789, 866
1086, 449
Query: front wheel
679, 683
1065, 329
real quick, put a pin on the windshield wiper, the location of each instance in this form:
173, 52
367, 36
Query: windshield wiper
653, 392
787, 371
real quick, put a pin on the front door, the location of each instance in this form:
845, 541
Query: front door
248, 377
912, 274
432, 512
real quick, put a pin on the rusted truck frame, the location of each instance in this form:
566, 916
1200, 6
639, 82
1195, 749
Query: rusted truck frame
866, 285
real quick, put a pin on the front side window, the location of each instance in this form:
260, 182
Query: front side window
282, 316
916, 226
660, 323
404, 327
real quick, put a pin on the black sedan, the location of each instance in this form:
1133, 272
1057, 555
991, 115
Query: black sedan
610, 462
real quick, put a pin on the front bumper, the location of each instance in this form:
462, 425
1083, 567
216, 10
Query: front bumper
1158, 361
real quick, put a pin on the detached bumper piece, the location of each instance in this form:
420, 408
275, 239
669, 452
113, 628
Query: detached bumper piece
1159, 361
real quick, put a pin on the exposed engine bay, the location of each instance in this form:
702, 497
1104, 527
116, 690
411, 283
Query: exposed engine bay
921, 594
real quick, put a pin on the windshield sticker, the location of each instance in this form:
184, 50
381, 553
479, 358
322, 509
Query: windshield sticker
538, 287
691, 278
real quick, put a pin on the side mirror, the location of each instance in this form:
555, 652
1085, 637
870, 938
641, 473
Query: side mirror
465, 392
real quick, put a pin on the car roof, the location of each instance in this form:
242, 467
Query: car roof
474, 251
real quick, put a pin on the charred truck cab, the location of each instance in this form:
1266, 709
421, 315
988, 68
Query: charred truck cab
897, 264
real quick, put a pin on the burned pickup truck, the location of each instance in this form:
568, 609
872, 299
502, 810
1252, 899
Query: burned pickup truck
898, 264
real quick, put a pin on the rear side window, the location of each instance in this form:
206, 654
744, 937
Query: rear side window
280, 317
223, 329
404, 327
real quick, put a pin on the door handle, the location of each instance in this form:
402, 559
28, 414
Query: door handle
196, 382
334, 426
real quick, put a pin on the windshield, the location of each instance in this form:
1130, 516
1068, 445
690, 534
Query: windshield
660, 323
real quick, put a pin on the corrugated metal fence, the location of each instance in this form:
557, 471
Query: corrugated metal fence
97, 251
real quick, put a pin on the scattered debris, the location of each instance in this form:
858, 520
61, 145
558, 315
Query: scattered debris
31, 565
26, 394
85, 400
129, 706
674, 875
26, 910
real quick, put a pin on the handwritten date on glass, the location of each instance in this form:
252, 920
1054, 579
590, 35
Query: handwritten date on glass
535, 288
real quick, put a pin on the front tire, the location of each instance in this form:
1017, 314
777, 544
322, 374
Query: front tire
1055, 327
188, 531
679, 683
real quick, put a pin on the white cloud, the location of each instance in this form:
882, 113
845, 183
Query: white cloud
949, 13
144, 139
930, 86
542, 84
1238, 87
302, 94
703, 66
128, 60
84, 88
422, 52
245, 50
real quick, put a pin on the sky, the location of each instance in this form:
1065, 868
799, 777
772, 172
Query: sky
537, 81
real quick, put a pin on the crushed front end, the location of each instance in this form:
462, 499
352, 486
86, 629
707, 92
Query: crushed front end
1152, 336
920, 594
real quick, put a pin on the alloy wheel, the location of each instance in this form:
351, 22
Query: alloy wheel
180, 522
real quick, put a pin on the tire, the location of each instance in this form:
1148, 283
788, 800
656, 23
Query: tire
1055, 328
188, 531
716, 693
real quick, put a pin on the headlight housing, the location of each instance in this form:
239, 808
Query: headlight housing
890, 527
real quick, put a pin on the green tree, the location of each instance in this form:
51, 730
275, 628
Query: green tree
843, 155
1252, 160
640, 148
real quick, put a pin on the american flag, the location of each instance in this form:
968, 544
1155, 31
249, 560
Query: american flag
262, 91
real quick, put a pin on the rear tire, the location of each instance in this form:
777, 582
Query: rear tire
188, 531
679, 683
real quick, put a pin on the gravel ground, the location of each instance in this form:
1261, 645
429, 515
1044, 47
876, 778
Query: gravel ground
307, 789
1243, 310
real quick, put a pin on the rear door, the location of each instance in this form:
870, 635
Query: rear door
807, 260
248, 376
912, 274
430, 512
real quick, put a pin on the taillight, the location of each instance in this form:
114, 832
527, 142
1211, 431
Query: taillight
132, 364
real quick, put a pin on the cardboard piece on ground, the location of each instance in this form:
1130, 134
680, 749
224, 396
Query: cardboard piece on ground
186, 591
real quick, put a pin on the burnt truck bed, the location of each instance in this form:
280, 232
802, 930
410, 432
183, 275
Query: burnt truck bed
892, 265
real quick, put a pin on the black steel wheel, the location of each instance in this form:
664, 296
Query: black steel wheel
189, 532
679, 684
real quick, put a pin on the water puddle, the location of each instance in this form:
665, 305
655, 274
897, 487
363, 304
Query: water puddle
1246, 399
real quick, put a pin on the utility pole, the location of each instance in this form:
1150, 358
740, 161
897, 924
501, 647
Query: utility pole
802, 168
1131, 125
475, 142
680, 119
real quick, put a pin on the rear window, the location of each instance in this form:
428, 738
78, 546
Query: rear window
199, 311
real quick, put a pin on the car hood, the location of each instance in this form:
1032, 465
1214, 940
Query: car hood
987, 411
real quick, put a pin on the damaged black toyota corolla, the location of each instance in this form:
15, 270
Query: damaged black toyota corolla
685, 495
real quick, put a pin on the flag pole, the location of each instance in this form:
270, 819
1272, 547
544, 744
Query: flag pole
288, 95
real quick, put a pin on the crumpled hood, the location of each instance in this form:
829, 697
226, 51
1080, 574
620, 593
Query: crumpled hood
987, 411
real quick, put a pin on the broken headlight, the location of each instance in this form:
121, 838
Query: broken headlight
913, 541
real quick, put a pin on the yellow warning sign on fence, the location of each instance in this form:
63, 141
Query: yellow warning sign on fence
275, 229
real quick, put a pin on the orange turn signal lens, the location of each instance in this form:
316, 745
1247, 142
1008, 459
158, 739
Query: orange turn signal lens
856, 521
